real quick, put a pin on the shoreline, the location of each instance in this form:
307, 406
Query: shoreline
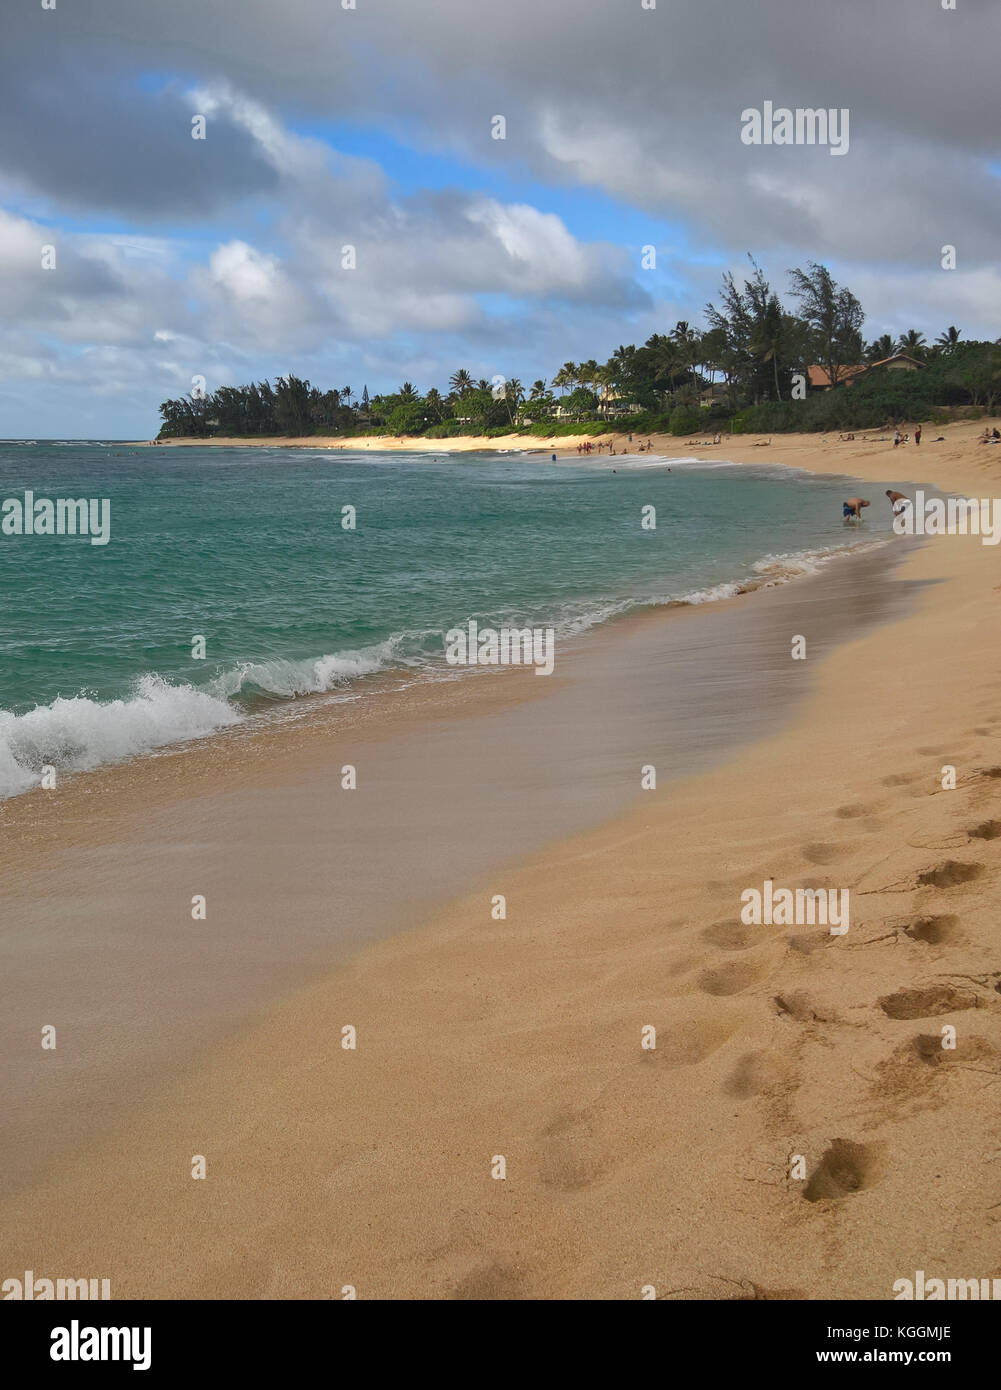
518, 733
868, 445
237, 714
527, 1037
269, 712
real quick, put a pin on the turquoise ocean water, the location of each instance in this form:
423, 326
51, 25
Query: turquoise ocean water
245, 548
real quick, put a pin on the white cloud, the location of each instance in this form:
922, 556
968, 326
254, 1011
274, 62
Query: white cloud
606, 98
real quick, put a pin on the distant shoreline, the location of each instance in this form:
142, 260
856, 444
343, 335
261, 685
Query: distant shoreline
825, 453
465, 443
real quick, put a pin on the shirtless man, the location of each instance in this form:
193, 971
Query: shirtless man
897, 501
853, 508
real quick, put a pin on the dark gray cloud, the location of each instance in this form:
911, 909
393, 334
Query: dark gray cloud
643, 103
88, 136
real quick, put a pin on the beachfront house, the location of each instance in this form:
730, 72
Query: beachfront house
611, 403
819, 379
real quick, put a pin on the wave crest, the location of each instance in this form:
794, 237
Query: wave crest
77, 734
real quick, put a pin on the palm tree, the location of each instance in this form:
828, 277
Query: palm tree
346, 394
949, 339
408, 392
712, 350
435, 406
514, 394
567, 376
686, 338
538, 390
603, 380
880, 348
461, 382
621, 363
667, 357
587, 373
913, 343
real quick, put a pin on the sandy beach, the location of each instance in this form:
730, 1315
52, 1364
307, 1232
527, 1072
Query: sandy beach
785, 448
798, 1130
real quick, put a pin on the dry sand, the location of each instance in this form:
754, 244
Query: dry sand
805, 450
521, 1038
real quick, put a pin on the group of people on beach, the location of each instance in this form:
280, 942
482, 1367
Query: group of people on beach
588, 447
852, 509
899, 438
990, 436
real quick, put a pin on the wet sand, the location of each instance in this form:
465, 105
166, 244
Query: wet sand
453, 782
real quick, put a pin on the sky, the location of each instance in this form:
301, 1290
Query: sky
136, 260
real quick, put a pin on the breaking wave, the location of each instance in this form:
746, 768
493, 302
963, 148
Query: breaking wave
81, 733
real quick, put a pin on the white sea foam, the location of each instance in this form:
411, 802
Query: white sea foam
633, 462
714, 594
80, 733
787, 565
285, 679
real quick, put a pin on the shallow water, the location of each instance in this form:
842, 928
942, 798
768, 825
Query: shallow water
245, 548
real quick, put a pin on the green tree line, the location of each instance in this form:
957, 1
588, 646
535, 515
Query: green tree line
747, 366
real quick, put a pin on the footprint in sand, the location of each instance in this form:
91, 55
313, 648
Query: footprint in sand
731, 978
800, 1006
865, 815
927, 1048
808, 941
986, 830
574, 1156
910, 1073
683, 1044
732, 936
949, 874
900, 779
754, 1072
845, 1167
681, 966
928, 1001
935, 931
854, 811
493, 1281
821, 854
